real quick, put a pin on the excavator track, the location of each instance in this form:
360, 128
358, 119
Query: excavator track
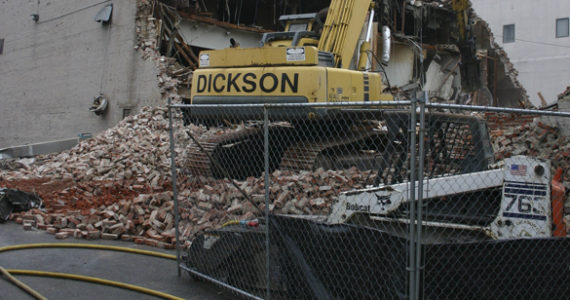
241, 152
454, 144
310, 155
199, 160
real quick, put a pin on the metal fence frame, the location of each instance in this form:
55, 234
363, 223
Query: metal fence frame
414, 265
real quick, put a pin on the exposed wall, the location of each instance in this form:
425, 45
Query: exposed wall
215, 37
51, 70
541, 59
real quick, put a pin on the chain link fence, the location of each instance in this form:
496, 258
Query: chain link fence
372, 200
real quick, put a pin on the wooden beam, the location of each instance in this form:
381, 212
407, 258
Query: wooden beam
543, 102
183, 53
185, 46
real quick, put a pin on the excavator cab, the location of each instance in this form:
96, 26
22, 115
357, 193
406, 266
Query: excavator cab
298, 32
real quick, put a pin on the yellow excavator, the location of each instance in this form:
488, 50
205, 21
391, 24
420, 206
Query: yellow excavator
309, 62
312, 62
298, 65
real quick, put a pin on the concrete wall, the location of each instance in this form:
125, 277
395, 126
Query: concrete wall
51, 70
542, 60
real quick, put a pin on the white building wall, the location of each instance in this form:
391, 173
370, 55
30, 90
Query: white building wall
542, 60
50, 71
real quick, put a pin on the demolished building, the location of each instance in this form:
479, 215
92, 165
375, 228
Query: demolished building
426, 51
88, 75
116, 185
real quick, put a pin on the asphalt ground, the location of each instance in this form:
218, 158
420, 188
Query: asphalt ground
149, 272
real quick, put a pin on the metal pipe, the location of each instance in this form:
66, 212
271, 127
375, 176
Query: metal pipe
370, 23
497, 109
266, 158
386, 44
382, 104
412, 203
364, 61
420, 191
293, 105
174, 185
222, 284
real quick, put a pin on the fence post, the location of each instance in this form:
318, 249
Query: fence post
421, 154
412, 203
266, 163
174, 187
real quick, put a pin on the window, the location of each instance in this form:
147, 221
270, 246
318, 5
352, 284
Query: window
1, 46
562, 28
509, 33
126, 112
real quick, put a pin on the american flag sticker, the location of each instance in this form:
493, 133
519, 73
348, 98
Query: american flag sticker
518, 170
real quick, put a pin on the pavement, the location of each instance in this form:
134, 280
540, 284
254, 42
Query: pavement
150, 272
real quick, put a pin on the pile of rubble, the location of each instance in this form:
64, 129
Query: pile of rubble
209, 203
117, 184
146, 219
527, 135
137, 149
114, 185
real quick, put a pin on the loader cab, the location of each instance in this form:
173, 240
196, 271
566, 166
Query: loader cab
298, 32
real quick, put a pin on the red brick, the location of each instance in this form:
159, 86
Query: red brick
109, 236
61, 235
93, 234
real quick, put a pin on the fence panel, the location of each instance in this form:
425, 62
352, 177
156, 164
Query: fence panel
496, 232
366, 201
315, 155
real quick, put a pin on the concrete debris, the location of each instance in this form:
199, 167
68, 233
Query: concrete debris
111, 183
136, 149
299, 193
529, 135
117, 184
147, 218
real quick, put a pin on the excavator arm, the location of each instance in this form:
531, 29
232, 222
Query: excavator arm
342, 29
470, 68
460, 7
